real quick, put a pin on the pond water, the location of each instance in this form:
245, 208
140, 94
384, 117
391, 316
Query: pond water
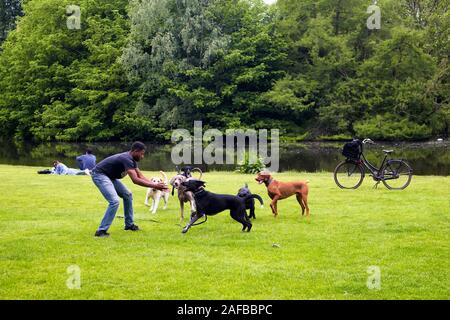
427, 158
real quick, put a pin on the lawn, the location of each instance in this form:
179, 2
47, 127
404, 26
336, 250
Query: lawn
47, 224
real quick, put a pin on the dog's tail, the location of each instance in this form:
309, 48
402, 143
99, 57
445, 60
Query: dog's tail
254, 196
198, 170
166, 181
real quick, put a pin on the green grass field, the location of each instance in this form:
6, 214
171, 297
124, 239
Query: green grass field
47, 224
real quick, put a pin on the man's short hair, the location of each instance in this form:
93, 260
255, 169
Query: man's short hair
138, 146
89, 151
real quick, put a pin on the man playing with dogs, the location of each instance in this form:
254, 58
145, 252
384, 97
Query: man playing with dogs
106, 176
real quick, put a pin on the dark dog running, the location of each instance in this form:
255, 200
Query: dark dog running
250, 202
210, 204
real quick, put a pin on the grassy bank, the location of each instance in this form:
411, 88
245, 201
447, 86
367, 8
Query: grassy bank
47, 224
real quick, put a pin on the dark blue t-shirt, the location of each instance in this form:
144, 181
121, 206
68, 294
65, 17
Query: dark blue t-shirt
116, 166
86, 161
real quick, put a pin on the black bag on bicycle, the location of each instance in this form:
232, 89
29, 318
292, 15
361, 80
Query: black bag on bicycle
352, 150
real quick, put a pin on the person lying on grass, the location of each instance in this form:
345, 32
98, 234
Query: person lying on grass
60, 168
106, 176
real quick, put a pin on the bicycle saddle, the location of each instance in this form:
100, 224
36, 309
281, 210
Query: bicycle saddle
388, 151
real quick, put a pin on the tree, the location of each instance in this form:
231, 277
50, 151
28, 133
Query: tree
200, 60
64, 84
345, 75
139, 69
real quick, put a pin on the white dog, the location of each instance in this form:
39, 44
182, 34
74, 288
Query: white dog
156, 195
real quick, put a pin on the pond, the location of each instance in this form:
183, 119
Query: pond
426, 158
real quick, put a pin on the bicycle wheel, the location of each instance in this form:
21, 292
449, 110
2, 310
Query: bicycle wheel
348, 175
397, 175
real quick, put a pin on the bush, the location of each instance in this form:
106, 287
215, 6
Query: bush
247, 167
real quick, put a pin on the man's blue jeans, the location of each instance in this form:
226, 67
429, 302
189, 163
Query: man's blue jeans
112, 190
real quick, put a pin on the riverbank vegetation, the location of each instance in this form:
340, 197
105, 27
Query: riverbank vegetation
138, 69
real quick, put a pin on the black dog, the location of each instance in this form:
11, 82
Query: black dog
209, 204
250, 202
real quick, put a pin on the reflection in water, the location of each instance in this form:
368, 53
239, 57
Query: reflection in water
425, 158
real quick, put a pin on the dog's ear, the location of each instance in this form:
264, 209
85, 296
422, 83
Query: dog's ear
201, 183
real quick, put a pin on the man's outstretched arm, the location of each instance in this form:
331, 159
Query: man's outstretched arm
140, 175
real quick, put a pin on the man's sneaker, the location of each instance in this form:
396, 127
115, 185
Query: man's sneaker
101, 233
133, 227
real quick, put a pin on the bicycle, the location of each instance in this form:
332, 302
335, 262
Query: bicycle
396, 174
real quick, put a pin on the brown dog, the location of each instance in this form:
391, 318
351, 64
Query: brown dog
281, 190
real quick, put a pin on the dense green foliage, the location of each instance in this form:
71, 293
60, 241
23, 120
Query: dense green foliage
387, 84
64, 84
311, 68
208, 60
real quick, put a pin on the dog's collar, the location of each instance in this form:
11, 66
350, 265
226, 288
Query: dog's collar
268, 182
199, 191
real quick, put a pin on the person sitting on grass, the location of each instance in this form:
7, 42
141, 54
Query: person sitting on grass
106, 176
86, 161
60, 168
